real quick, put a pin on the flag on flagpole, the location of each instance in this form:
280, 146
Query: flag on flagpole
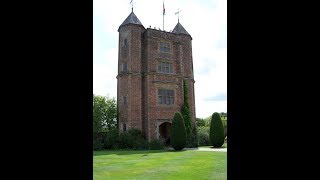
164, 10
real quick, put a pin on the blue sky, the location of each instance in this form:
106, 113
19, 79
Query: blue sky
205, 20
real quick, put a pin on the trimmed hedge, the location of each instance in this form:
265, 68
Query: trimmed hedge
216, 130
155, 144
178, 138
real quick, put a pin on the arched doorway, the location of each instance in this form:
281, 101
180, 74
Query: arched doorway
164, 130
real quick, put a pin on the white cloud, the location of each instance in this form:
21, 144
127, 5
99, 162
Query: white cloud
104, 74
205, 20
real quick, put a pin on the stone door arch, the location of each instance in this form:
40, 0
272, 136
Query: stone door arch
164, 129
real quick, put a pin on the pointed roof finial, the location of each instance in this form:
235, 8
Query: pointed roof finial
179, 29
178, 12
131, 3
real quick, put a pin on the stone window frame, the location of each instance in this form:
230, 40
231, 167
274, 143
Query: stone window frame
168, 43
170, 68
171, 98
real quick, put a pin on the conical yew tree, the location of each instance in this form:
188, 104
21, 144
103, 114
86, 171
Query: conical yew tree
216, 130
178, 137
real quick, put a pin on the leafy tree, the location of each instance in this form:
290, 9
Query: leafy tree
104, 113
200, 122
111, 114
98, 113
178, 138
216, 131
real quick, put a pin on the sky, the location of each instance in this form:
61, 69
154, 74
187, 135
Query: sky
205, 21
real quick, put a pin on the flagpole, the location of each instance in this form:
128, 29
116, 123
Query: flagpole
163, 23
163, 17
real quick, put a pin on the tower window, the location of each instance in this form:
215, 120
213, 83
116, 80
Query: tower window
125, 67
165, 67
124, 127
125, 100
125, 42
165, 96
165, 47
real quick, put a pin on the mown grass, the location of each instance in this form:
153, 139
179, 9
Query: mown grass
159, 164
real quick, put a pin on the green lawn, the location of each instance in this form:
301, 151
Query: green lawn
159, 164
223, 146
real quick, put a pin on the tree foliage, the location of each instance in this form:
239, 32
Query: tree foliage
185, 109
203, 135
202, 122
194, 137
178, 138
216, 130
104, 113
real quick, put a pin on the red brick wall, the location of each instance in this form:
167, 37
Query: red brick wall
142, 82
129, 83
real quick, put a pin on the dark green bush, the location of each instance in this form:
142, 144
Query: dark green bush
225, 126
97, 145
216, 131
178, 132
132, 139
140, 144
203, 136
155, 144
135, 133
194, 139
110, 139
125, 141
98, 138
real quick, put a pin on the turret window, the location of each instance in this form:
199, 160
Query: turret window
125, 67
125, 100
125, 42
165, 67
165, 47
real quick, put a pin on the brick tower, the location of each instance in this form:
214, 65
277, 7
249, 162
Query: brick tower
152, 65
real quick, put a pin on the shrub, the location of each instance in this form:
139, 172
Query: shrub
178, 132
97, 141
155, 144
195, 139
125, 141
185, 112
140, 144
216, 131
192, 139
200, 122
203, 136
97, 144
111, 139
224, 122
132, 139
135, 133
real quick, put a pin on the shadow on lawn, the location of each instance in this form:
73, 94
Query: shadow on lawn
130, 152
